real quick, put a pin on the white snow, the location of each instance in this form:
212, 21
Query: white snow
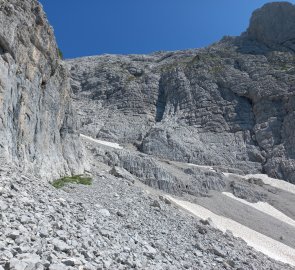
277, 183
280, 184
209, 168
106, 143
265, 208
260, 242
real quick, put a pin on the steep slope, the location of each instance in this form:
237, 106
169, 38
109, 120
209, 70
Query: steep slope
118, 222
229, 105
37, 127
110, 225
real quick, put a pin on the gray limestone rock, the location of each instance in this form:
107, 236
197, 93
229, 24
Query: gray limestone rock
80, 238
104, 212
219, 106
15, 264
57, 266
122, 173
37, 126
274, 25
229, 105
60, 245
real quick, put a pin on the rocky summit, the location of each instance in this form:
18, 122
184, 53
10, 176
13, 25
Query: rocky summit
172, 160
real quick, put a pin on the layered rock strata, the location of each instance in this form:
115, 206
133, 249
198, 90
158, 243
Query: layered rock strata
231, 104
37, 127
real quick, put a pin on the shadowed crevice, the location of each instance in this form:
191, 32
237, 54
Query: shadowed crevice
161, 104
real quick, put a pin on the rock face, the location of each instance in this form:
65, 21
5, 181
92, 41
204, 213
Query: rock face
162, 175
37, 127
230, 105
274, 24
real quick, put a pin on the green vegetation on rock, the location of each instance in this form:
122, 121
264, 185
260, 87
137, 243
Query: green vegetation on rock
75, 179
60, 53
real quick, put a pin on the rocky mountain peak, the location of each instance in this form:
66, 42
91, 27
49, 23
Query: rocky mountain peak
274, 24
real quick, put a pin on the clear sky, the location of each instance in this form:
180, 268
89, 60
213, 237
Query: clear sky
91, 27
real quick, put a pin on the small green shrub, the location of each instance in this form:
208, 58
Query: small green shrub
130, 78
75, 179
216, 69
60, 54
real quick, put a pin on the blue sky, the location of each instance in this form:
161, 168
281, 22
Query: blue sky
91, 27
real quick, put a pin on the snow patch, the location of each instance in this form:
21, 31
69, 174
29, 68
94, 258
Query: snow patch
105, 143
209, 168
265, 208
280, 184
260, 242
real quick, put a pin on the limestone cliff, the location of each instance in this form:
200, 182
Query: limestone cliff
37, 127
274, 25
229, 105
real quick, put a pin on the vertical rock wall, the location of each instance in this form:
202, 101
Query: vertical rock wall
37, 127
